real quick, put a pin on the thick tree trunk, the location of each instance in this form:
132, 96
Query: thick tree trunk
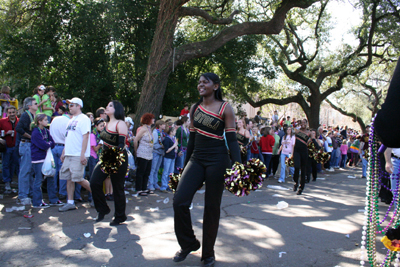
313, 114
160, 61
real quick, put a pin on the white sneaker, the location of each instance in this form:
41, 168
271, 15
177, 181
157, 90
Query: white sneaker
67, 207
8, 186
26, 201
329, 170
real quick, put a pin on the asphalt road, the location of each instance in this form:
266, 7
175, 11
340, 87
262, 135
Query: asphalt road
322, 227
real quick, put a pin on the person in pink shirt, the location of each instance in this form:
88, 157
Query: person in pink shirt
286, 150
343, 152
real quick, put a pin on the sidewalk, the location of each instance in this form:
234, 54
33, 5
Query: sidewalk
322, 227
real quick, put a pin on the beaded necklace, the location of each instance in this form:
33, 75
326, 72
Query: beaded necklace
372, 223
44, 136
159, 137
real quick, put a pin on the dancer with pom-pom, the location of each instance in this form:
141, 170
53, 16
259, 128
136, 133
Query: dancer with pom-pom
206, 161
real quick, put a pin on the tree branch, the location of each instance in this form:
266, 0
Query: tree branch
192, 11
280, 102
273, 26
349, 114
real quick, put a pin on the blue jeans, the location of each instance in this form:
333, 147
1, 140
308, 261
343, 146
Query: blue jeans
257, 156
283, 167
249, 155
337, 157
267, 159
25, 178
364, 165
169, 165
343, 161
394, 175
179, 162
57, 151
155, 166
10, 163
37, 186
62, 190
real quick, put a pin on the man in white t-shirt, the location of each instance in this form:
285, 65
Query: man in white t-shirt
58, 129
76, 151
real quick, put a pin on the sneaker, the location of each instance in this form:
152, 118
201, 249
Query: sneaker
26, 201
42, 206
329, 170
14, 183
8, 186
279, 181
58, 203
67, 207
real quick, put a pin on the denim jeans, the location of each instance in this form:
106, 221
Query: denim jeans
257, 156
37, 186
283, 167
57, 151
25, 178
249, 155
169, 165
343, 161
364, 165
179, 162
10, 163
394, 176
337, 157
62, 190
267, 159
155, 166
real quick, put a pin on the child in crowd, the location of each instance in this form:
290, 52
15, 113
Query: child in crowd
41, 141
343, 151
170, 147
5, 95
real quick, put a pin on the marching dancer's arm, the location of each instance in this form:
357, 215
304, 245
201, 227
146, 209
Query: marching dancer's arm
388, 158
230, 134
192, 135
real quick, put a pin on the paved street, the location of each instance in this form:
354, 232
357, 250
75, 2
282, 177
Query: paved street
311, 231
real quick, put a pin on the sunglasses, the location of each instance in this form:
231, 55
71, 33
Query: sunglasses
71, 105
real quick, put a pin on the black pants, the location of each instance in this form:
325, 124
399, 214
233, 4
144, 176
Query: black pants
328, 163
117, 181
197, 171
273, 164
142, 173
311, 168
300, 163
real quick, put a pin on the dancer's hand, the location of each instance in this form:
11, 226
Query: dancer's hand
389, 167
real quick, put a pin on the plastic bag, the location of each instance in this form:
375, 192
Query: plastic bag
131, 161
49, 166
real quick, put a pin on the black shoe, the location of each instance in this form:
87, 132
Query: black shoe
300, 191
295, 187
182, 254
209, 262
115, 223
100, 216
314, 180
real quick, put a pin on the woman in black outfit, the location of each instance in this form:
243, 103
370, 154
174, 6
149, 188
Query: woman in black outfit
207, 159
113, 135
300, 156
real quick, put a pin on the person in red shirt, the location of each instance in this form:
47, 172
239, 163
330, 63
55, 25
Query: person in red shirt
185, 110
267, 142
10, 156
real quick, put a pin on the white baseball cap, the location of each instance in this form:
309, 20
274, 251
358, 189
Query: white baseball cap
75, 100
42, 87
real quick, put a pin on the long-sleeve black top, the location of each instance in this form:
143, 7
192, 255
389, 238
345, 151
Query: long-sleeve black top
387, 121
24, 126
